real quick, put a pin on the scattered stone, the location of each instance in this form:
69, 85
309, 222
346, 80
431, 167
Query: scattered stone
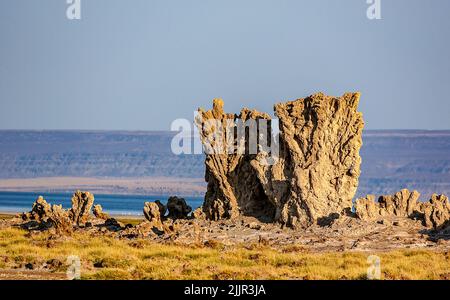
254, 225
143, 230
53, 264
99, 264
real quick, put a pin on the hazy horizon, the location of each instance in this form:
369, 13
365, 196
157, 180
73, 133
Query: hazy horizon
174, 131
139, 66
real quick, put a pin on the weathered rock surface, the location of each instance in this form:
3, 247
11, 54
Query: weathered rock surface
178, 208
60, 220
49, 216
315, 176
97, 210
434, 214
40, 210
232, 182
198, 214
402, 204
81, 206
152, 212
162, 208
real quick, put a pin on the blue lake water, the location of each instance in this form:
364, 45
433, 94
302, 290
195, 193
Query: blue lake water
112, 204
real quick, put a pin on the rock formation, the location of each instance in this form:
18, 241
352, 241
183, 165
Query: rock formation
60, 220
402, 204
55, 216
49, 216
97, 210
40, 210
198, 214
162, 208
81, 206
154, 225
434, 214
178, 208
315, 175
152, 212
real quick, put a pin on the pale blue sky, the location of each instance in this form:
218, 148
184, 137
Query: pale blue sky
140, 64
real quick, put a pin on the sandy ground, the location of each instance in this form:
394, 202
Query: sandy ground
138, 186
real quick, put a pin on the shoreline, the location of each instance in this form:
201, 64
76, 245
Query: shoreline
9, 215
144, 186
118, 206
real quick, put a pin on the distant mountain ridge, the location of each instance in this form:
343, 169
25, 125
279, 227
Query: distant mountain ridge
25, 154
392, 159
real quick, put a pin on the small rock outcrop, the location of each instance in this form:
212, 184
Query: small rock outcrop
97, 210
81, 206
434, 214
401, 204
178, 208
153, 225
60, 220
49, 216
314, 175
152, 212
40, 210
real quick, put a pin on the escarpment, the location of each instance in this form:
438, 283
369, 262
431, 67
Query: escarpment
307, 172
